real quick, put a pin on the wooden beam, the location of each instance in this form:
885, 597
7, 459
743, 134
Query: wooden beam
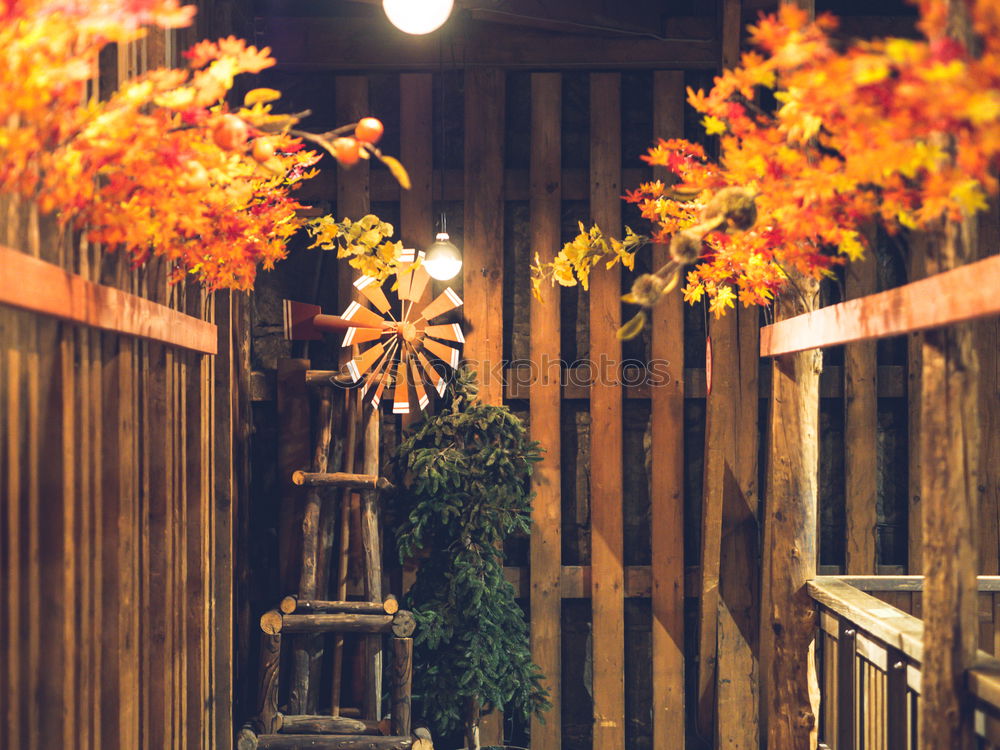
545, 408
358, 44
483, 267
485, 101
33, 284
860, 429
607, 541
576, 383
667, 472
952, 296
449, 184
416, 150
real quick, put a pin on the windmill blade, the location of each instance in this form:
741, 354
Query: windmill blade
413, 283
406, 260
432, 375
401, 398
443, 352
418, 383
383, 380
361, 335
362, 364
445, 302
365, 318
380, 371
447, 331
370, 287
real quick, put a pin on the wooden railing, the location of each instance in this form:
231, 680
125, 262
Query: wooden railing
869, 655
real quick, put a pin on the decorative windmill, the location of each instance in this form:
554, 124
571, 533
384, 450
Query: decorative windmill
402, 358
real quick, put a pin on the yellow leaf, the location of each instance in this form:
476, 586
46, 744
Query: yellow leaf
633, 328
260, 96
969, 196
850, 245
398, 171
713, 125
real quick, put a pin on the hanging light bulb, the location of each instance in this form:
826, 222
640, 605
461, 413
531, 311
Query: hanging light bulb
418, 16
443, 261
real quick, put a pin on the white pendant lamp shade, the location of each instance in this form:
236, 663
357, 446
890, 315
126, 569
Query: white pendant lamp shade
418, 16
443, 260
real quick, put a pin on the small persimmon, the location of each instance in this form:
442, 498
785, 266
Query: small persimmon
369, 130
230, 133
347, 151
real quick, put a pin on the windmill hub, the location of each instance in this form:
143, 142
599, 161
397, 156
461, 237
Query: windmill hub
406, 331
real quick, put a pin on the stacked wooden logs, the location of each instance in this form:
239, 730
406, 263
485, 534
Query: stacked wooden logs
273, 729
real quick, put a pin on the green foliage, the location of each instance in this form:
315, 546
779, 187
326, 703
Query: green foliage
464, 477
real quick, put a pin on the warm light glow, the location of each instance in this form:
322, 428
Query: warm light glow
418, 16
443, 261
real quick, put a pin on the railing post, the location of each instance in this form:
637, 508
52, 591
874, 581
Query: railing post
896, 700
846, 686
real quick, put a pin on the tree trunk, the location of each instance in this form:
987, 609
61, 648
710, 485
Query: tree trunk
473, 716
949, 441
789, 616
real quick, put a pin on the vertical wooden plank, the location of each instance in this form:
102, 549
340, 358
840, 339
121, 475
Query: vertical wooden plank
416, 151
914, 365
353, 185
196, 471
860, 429
485, 104
225, 489
545, 405
737, 692
12, 488
293, 454
119, 677
846, 686
790, 534
667, 479
484, 210
987, 333
607, 578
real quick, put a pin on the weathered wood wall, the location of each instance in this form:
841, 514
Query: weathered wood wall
640, 579
122, 465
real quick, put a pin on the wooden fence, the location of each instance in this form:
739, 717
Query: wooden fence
698, 575
122, 463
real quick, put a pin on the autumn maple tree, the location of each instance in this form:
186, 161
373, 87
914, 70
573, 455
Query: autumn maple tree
901, 131
163, 166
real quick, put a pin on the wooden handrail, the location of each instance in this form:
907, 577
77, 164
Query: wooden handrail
954, 296
843, 595
37, 286
892, 626
890, 584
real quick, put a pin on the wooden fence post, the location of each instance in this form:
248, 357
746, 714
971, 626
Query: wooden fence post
607, 541
545, 405
667, 474
791, 499
949, 442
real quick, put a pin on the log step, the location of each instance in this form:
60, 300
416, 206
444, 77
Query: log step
293, 605
401, 624
329, 742
306, 724
342, 479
